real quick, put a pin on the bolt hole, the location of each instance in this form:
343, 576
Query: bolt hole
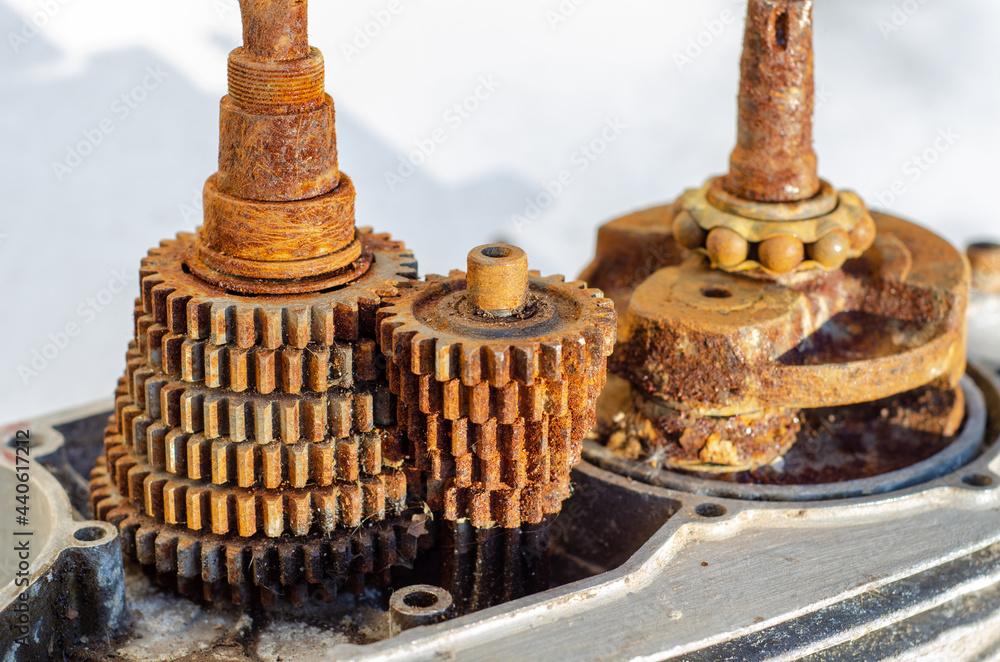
420, 599
716, 293
781, 30
89, 534
710, 510
497, 251
34, 442
977, 480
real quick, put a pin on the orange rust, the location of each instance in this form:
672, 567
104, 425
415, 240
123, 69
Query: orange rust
278, 209
776, 294
774, 159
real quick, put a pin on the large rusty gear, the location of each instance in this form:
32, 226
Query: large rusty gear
214, 567
255, 409
244, 512
313, 368
178, 302
261, 418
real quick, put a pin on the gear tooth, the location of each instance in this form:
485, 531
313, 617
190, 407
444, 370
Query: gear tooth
298, 327
159, 295
323, 324
471, 362
176, 304
148, 284
402, 345
574, 350
245, 329
525, 363
551, 363
271, 325
498, 364
221, 322
422, 354
347, 321
199, 318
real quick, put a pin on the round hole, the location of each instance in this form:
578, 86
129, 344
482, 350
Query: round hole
985, 246
710, 510
977, 480
420, 599
89, 534
497, 251
716, 293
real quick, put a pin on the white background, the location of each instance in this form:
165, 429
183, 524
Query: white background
886, 95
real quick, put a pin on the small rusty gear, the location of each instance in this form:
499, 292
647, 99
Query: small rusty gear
497, 374
245, 512
508, 403
314, 368
247, 416
175, 301
434, 328
213, 567
495, 454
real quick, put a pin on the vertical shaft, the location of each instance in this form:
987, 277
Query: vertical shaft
774, 159
275, 29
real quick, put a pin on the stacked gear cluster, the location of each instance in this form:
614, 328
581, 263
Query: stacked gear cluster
498, 372
766, 296
299, 414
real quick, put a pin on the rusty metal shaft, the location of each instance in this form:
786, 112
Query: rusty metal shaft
774, 159
279, 209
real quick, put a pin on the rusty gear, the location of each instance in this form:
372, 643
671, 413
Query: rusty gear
313, 368
247, 512
261, 418
497, 375
495, 455
177, 302
212, 567
431, 329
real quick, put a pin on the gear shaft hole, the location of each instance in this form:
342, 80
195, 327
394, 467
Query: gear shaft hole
716, 293
497, 251
710, 510
89, 534
420, 599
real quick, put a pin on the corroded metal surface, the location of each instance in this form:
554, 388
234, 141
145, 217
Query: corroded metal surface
279, 208
496, 407
770, 292
254, 452
772, 217
774, 159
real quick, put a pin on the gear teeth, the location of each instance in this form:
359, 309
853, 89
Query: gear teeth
235, 511
215, 414
181, 304
205, 565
